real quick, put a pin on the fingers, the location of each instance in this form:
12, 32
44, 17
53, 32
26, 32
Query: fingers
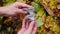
31, 26
23, 27
31, 29
23, 23
34, 29
20, 11
22, 5
27, 24
19, 7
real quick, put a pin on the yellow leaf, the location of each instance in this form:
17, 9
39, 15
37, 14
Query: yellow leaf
52, 4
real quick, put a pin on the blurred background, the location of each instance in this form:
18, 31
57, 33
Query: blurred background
47, 16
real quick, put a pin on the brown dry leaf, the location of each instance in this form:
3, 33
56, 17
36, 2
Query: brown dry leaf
8, 20
49, 23
58, 1
22, 16
50, 11
50, 32
47, 1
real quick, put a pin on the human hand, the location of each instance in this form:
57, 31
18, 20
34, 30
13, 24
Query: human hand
14, 9
28, 29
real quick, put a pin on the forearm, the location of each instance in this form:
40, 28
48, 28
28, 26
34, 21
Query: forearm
1, 10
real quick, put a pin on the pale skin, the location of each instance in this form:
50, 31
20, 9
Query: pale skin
28, 29
14, 10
